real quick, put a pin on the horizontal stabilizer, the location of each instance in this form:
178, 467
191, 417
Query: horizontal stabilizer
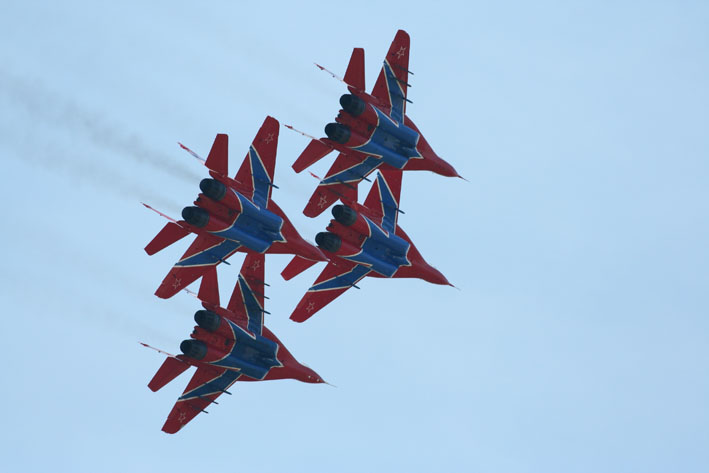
295, 267
170, 233
170, 369
315, 151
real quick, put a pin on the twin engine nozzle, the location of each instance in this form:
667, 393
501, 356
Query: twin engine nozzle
197, 216
196, 349
338, 132
207, 320
328, 241
344, 215
353, 105
213, 189
210, 322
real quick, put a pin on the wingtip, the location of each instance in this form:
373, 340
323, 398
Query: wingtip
458, 175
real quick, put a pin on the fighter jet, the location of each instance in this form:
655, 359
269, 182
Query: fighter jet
227, 345
231, 215
362, 240
370, 131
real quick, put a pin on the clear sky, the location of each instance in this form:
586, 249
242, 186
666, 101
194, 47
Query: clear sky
579, 338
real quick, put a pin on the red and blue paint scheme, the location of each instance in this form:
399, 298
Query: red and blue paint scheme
362, 240
371, 131
228, 345
231, 215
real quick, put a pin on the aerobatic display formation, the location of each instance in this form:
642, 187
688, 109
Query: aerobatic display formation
371, 132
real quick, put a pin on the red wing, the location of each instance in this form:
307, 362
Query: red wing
341, 182
206, 385
333, 281
393, 81
205, 252
256, 172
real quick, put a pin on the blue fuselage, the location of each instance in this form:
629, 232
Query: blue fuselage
252, 355
383, 252
256, 228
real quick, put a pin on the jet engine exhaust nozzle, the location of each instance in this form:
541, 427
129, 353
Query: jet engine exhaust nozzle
338, 133
328, 241
194, 349
195, 216
207, 320
213, 189
344, 215
352, 104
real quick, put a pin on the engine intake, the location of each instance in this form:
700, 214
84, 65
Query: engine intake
207, 320
352, 104
213, 189
195, 216
338, 133
344, 215
194, 349
328, 241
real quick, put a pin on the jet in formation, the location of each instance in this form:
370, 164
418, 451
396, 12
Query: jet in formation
362, 240
371, 131
231, 215
227, 345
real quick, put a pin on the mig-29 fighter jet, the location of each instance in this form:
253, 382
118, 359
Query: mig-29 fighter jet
231, 215
371, 131
362, 240
227, 345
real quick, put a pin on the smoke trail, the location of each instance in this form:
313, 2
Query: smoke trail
80, 169
45, 106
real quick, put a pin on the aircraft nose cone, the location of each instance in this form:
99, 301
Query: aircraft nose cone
434, 276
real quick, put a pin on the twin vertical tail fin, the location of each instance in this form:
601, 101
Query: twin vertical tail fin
218, 159
354, 77
318, 149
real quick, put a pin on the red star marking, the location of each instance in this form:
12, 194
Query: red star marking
400, 52
310, 308
269, 138
182, 417
256, 265
177, 283
322, 202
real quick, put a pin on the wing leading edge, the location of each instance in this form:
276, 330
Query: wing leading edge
334, 280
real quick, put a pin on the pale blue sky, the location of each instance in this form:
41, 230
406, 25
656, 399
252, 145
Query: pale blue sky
577, 343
